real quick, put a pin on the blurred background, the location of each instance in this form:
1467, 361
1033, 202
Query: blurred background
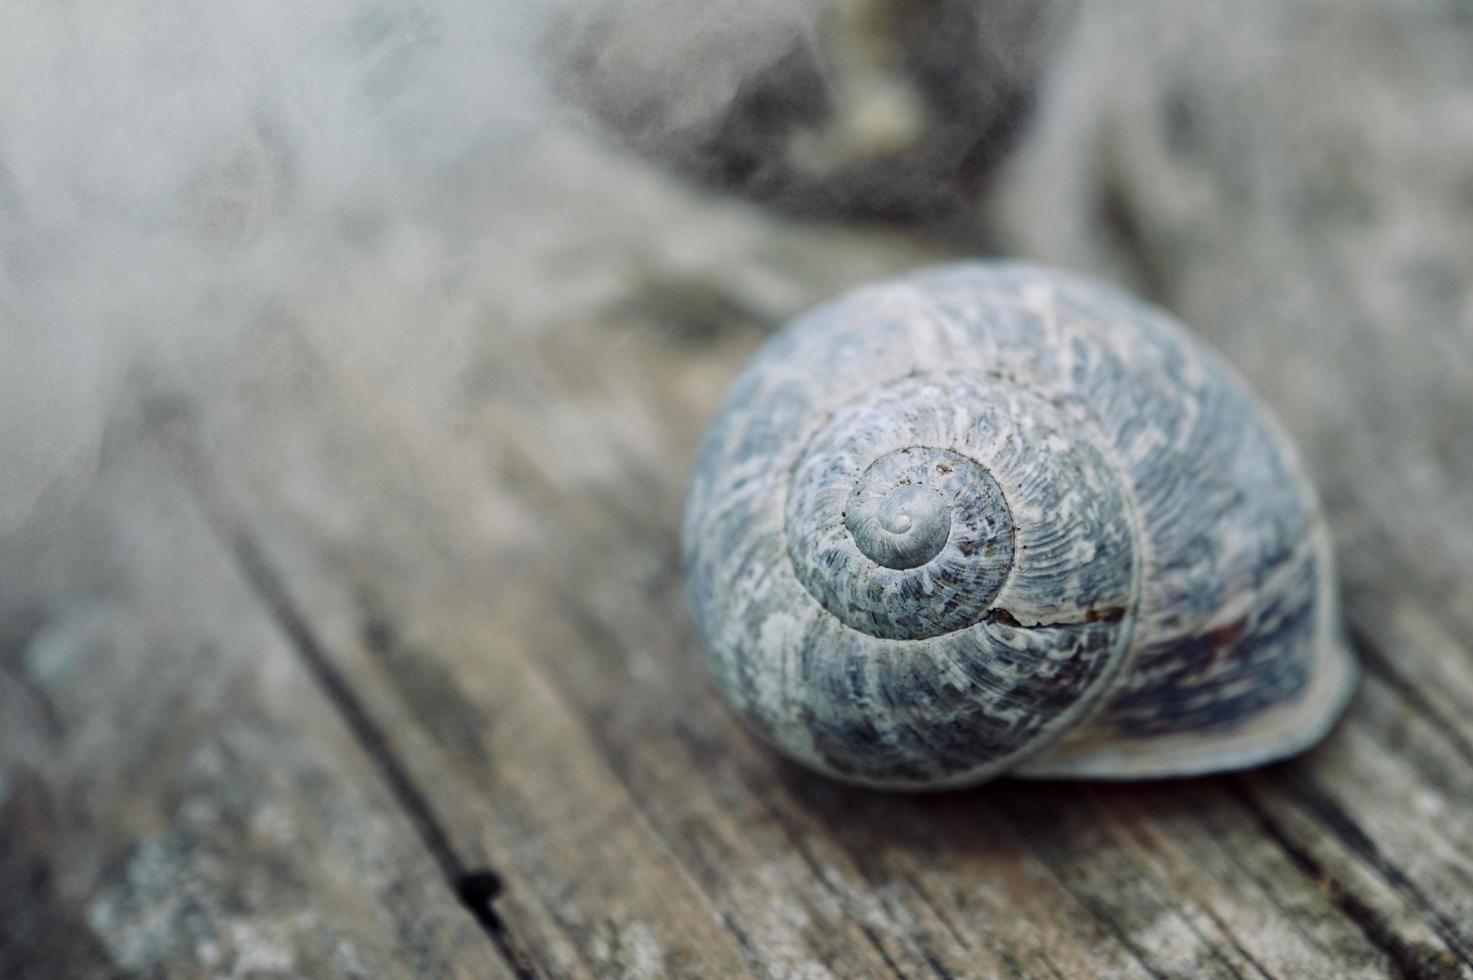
352, 359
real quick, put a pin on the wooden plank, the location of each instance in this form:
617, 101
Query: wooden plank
176, 797
530, 558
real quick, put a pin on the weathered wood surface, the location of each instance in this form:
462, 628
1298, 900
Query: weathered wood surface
329, 655
177, 796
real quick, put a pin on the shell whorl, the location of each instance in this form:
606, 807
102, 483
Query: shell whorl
875, 538
989, 514
900, 519
986, 627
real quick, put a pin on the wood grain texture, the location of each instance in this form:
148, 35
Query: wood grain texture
379, 664
176, 797
537, 664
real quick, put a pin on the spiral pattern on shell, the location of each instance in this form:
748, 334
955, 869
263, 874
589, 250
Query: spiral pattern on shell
948, 523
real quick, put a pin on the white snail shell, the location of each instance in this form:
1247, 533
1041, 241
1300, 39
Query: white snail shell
994, 517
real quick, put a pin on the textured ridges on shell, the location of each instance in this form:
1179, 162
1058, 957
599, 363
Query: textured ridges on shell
900, 526
926, 676
856, 456
1323, 679
1164, 604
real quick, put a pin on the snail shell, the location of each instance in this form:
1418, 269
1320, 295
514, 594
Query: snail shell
994, 517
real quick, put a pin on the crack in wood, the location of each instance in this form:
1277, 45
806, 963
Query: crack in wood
476, 889
1410, 960
791, 833
1350, 833
1143, 839
1105, 918
1379, 666
924, 894
1106, 921
1232, 938
1288, 914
